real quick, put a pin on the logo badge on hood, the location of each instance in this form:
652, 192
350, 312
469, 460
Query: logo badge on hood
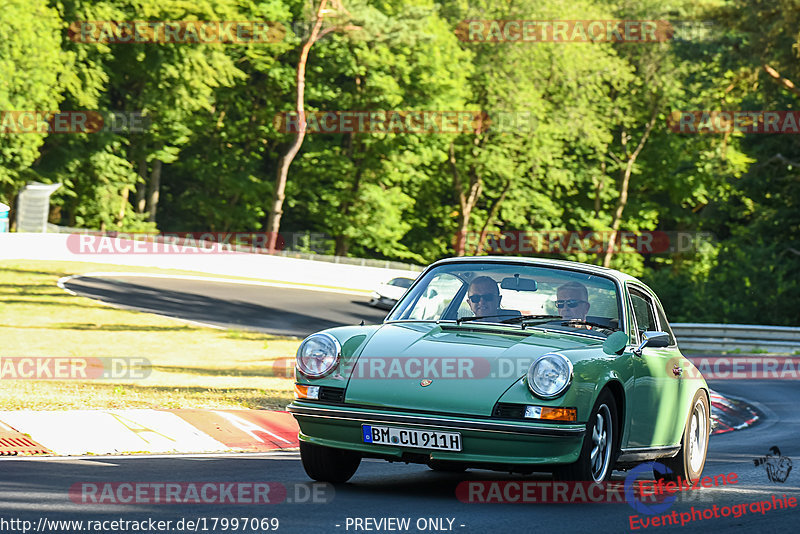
425, 383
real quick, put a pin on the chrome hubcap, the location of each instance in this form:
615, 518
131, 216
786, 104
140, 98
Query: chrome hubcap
601, 443
698, 433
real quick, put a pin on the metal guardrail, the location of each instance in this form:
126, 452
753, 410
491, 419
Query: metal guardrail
346, 260
737, 337
56, 229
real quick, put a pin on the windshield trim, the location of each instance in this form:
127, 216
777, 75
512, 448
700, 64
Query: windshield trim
591, 270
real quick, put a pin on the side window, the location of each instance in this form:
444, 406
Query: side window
662, 319
643, 311
437, 297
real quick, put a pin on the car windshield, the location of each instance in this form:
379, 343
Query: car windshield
402, 282
513, 293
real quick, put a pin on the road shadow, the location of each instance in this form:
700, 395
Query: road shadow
243, 307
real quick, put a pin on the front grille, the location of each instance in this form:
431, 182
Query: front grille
331, 394
506, 410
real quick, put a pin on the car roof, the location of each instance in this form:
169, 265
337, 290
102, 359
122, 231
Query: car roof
542, 262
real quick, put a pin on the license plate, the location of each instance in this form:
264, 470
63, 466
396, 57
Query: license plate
409, 437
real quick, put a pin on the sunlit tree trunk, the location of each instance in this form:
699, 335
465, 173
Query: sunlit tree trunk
141, 186
630, 160
493, 209
468, 195
153, 191
276, 211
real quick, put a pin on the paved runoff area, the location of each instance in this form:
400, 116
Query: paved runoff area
96, 432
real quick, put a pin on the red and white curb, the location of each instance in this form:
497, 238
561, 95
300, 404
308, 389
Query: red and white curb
81, 432
728, 415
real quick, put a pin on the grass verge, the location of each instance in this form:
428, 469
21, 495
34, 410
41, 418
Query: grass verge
190, 366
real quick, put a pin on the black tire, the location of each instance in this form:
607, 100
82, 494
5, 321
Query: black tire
326, 464
603, 416
691, 459
447, 467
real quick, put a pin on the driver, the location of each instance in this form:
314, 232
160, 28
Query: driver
572, 301
484, 298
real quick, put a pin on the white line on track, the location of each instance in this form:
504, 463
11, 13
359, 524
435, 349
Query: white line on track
286, 454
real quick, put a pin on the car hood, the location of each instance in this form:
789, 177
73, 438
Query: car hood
469, 366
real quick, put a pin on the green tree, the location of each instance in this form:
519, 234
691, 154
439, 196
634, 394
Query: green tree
166, 82
360, 187
35, 71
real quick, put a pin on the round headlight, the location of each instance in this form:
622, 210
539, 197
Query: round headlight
318, 354
550, 375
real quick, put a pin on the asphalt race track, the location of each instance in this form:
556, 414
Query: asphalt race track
274, 310
32, 489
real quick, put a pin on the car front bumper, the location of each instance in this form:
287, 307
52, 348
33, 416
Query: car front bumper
484, 440
382, 300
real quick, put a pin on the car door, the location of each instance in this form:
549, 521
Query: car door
656, 388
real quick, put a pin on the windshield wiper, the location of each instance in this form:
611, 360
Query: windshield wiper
571, 322
465, 319
523, 318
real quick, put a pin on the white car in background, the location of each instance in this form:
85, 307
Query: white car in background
387, 294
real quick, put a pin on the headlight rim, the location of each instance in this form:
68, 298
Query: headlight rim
571, 373
337, 357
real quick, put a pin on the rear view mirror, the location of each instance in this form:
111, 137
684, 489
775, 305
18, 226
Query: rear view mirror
516, 283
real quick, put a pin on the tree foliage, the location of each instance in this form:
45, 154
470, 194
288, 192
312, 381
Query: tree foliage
578, 135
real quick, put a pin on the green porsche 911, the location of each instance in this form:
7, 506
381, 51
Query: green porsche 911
511, 364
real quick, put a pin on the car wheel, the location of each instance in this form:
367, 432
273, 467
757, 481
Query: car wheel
596, 461
326, 464
690, 460
447, 467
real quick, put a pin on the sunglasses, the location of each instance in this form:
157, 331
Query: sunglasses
572, 303
487, 297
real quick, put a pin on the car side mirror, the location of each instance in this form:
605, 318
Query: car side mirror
653, 339
615, 343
